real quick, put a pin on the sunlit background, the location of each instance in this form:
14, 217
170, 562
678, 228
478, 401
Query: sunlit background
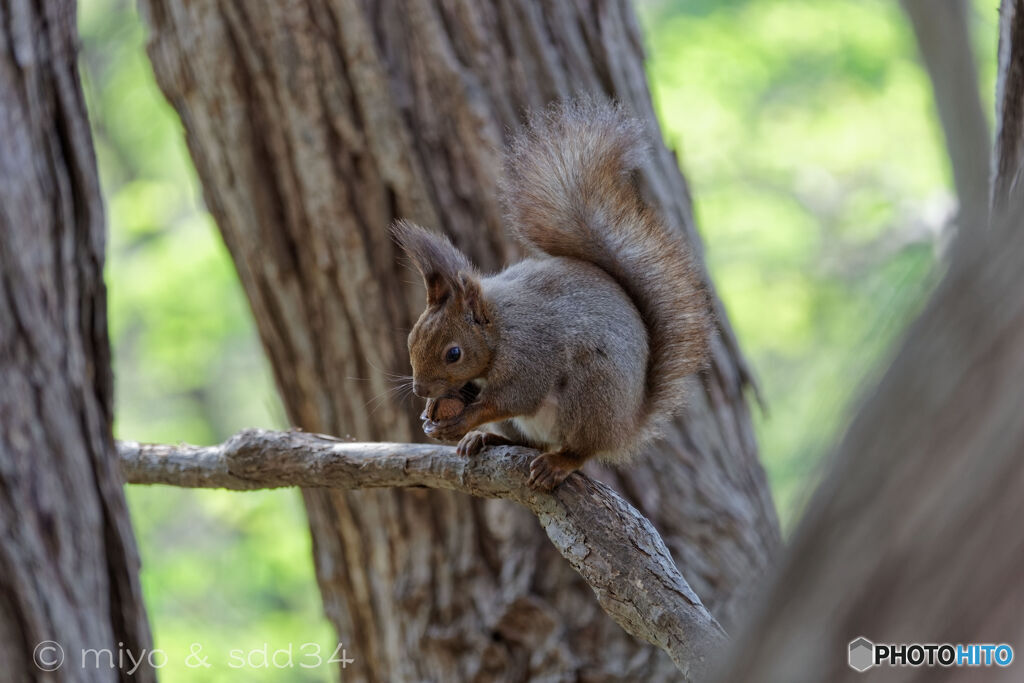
823, 193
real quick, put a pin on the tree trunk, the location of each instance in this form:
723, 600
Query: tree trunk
68, 565
1008, 156
915, 534
313, 124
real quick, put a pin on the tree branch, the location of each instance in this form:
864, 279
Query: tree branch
613, 547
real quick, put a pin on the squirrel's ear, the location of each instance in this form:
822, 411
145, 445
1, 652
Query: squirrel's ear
473, 296
435, 257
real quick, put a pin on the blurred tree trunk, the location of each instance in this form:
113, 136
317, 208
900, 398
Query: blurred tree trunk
313, 124
1008, 156
915, 534
944, 41
68, 565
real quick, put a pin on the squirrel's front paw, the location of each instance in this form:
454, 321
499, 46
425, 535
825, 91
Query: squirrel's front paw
446, 430
472, 443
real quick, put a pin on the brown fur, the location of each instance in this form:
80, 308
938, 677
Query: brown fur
581, 349
569, 193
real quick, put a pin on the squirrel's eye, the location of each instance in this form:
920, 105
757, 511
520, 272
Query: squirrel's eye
452, 354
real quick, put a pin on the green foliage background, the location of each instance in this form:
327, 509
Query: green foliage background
822, 188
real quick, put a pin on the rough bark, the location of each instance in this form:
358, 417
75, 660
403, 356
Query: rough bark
944, 41
612, 546
914, 536
313, 124
68, 565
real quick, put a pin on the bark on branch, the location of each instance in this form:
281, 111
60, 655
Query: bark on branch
613, 547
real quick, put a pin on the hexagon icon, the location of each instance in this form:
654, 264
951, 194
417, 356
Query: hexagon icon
862, 654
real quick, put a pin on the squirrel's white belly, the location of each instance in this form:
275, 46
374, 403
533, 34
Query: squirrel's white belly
542, 426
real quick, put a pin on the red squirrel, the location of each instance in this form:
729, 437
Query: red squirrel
581, 349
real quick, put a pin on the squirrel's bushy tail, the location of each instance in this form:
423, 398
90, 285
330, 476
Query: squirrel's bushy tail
569, 192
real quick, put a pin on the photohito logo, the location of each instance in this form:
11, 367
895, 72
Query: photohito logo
863, 654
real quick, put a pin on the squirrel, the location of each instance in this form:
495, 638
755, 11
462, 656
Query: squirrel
581, 349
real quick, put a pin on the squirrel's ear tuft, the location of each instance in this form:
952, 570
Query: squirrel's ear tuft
435, 257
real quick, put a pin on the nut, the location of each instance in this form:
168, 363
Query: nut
445, 408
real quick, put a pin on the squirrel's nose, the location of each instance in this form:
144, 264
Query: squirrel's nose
420, 389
